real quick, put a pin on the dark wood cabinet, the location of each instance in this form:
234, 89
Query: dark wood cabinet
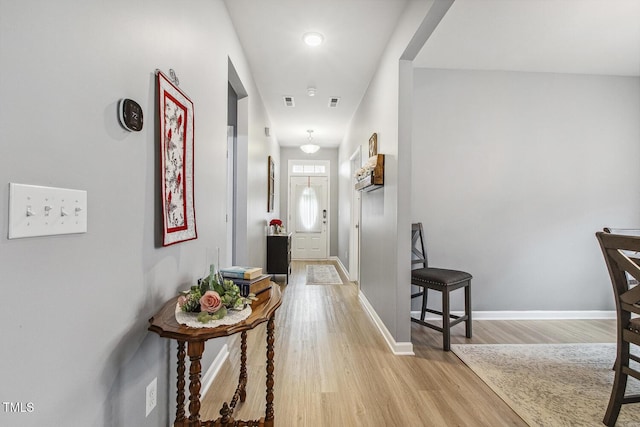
279, 254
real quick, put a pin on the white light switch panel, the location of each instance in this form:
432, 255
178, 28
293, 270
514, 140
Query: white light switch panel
44, 211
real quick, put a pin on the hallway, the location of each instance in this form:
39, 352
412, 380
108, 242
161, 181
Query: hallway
333, 367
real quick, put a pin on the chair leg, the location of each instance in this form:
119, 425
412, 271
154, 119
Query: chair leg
424, 304
446, 322
467, 309
615, 401
619, 384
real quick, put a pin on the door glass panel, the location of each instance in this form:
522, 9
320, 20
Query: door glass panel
309, 169
308, 205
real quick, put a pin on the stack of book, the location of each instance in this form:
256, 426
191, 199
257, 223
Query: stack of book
250, 280
246, 273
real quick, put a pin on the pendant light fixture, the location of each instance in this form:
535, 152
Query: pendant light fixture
310, 147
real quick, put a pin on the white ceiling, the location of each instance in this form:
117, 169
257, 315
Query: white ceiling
563, 36
356, 32
560, 36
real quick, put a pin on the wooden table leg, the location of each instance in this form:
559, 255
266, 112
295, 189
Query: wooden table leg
269, 417
241, 392
180, 386
242, 381
195, 350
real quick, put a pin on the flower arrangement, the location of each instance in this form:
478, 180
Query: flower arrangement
276, 224
212, 297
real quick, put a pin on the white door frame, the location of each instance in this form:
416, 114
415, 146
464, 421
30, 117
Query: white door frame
355, 162
290, 173
230, 214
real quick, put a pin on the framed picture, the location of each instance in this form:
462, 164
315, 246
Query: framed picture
271, 185
176, 163
373, 145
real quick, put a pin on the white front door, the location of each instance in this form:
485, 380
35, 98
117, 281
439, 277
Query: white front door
309, 216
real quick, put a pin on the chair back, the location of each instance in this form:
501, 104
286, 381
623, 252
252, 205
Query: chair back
626, 232
418, 253
623, 231
618, 253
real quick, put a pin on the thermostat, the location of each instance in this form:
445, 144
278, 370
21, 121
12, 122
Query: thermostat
130, 114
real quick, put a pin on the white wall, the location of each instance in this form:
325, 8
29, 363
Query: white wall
260, 148
75, 309
381, 278
513, 173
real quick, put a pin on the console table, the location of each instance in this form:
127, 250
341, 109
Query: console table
164, 324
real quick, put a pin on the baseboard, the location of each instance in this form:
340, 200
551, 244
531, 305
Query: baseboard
212, 372
398, 348
340, 265
532, 315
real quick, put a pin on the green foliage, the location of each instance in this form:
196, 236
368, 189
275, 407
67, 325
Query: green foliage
205, 317
193, 300
229, 295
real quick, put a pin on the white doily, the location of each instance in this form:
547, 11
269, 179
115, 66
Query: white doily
232, 317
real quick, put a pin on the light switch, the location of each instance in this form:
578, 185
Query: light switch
44, 211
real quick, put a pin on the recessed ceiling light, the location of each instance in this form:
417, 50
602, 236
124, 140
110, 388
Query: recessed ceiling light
311, 91
313, 39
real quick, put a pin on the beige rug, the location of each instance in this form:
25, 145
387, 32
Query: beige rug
551, 385
322, 274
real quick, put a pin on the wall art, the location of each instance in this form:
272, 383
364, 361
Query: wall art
373, 145
271, 190
176, 168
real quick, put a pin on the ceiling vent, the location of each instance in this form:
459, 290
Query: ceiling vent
288, 101
333, 101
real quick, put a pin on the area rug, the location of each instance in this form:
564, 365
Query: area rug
322, 274
551, 384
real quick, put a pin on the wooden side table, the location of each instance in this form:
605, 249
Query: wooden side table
164, 324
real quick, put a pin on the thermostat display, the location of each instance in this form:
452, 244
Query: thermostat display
130, 114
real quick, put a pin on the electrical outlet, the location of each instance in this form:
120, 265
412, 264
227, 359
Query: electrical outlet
152, 395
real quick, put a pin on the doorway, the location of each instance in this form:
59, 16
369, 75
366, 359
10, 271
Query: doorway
354, 230
232, 125
237, 130
308, 209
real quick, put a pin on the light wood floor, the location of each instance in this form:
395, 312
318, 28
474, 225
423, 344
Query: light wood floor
333, 368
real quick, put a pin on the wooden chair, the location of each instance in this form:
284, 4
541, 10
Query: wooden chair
441, 280
616, 249
626, 232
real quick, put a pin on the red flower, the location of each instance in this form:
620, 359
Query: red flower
275, 222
